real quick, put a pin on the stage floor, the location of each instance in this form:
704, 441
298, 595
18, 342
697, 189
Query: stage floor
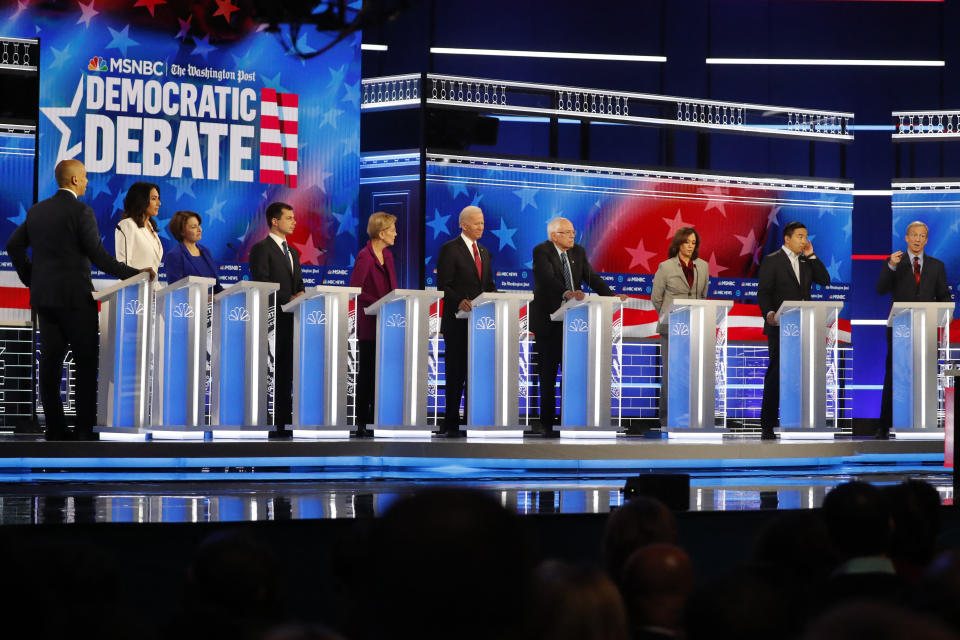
31, 459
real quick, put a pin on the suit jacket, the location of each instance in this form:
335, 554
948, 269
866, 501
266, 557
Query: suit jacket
179, 263
63, 234
136, 246
548, 283
457, 276
670, 283
268, 264
776, 283
903, 288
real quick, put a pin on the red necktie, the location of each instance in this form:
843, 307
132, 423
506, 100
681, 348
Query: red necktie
916, 270
476, 258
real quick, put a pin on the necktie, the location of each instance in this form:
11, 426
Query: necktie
567, 276
916, 269
286, 254
476, 258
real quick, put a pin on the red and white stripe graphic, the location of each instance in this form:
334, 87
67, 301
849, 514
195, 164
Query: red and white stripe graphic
278, 137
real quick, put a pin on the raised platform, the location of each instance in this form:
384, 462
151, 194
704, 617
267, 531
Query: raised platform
26, 460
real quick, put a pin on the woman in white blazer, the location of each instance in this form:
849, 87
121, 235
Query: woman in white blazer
682, 275
136, 240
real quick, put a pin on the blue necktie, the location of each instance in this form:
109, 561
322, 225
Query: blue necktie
567, 276
286, 254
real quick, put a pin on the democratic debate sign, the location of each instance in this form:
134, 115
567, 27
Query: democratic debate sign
216, 118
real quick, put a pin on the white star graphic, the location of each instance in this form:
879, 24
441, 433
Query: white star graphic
772, 217
214, 212
640, 256
717, 203
330, 117
748, 243
87, 11
321, 179
527, 197
715, 268
675, 225
504, 234
309, 253
54, 114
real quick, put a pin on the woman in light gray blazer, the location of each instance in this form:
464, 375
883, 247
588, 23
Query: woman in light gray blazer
682, 275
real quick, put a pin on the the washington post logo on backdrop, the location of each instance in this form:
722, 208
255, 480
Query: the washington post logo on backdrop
143, 118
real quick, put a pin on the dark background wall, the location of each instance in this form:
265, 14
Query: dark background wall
689, 31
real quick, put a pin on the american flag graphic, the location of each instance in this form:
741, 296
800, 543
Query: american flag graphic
278, 137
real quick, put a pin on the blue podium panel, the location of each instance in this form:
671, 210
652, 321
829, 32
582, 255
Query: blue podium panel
791, 369
483, 365
391, 328
678, 368
176, 356
576, 351
313, 322
903, 371
234, 358
129, 343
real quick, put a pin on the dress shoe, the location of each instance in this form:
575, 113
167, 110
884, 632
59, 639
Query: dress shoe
86, 436
58, 435
881, 434
280, 434
768, 434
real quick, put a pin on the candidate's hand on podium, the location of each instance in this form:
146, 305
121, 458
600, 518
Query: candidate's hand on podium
895, 258
465, 305
579, 295
153, 274
772, 318
623, 297
297, 295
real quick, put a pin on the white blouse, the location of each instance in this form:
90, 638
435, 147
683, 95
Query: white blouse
139, 247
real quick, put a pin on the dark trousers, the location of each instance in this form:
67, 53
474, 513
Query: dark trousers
770, 408
283, 371
366, 381
455, 371
886, 399
76, 330
549, 345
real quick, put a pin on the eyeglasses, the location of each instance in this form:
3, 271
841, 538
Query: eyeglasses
567, 233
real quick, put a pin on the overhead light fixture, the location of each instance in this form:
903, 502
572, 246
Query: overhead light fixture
373, 47
557, 55
827, 62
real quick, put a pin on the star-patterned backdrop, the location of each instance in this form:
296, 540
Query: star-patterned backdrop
218, 35
627, 223
937, 209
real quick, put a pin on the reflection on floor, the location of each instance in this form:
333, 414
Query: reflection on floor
51, 502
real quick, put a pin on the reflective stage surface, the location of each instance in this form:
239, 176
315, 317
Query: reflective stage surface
53, 502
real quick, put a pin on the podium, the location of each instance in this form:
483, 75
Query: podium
320, 332
493, 337
238, 403
803, 367
914, 326
180, 360
691, 367
403, 326
587, 333
123, 385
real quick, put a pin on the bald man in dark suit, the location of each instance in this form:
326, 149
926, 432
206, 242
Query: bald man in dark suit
63, 233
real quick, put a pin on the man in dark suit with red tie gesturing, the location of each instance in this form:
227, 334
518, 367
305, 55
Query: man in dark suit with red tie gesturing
274, 260
464, 271
560, 269
785, 274
908, 277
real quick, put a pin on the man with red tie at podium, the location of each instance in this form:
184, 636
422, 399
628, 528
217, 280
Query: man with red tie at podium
62, 231
274, 260
908, 277
464, 271
786, 274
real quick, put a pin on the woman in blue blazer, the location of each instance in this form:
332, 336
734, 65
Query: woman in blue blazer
187, 257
